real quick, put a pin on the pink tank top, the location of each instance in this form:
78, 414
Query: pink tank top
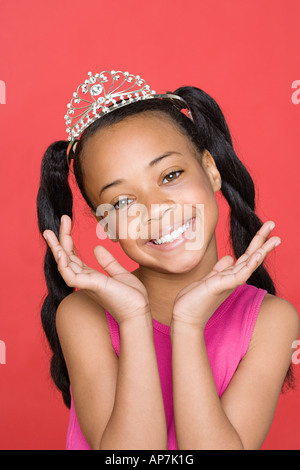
227, 337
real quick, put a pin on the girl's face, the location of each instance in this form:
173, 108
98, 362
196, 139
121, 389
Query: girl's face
150, 174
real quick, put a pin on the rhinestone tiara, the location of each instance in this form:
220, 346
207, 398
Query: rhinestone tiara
104, 92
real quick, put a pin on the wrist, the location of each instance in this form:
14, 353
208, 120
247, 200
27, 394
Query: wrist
180, 327
141, 319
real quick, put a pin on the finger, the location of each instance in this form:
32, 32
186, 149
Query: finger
223, 264
245, 272
65, 234
241, 273
108, 262
66, 239
232, 279
72, 274
262, 252
53, 243
258, 240
58, 251
237, 275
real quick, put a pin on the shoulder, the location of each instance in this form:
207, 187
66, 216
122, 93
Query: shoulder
79, 297
279, 312
277, 320
79, 308
85, 340
82, 326
251, 397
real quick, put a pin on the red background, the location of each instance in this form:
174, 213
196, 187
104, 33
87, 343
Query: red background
245, 54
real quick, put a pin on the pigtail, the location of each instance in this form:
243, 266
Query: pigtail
237, 184
53, 200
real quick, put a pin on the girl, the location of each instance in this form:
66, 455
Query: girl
188, 351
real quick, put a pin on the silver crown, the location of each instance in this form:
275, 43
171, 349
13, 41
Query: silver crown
102, 93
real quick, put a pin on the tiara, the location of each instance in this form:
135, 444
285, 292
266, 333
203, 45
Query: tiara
104, 92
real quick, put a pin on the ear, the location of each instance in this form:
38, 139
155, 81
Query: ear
209, 166
106, 229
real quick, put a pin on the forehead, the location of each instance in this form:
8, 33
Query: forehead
138, 136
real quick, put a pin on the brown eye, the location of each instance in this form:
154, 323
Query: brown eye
121, 203
173, 175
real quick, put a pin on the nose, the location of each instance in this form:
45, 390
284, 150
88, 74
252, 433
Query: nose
156, 208
159, 212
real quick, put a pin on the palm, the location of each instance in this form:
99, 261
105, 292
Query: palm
121, 293
198, 301
202, 293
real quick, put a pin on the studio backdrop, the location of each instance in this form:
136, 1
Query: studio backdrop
244, 54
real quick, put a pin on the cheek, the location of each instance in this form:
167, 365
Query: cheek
203, 199
199, 187
127, 228
211, 217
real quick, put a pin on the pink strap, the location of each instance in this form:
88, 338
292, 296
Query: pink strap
114, 332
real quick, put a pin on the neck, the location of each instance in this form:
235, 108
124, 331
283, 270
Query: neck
163, 288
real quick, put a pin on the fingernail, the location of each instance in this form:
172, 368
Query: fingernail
258, 257
272, 226
59, 255
278, 242
45, 236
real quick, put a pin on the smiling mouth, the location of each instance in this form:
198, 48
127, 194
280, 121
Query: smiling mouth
172, 236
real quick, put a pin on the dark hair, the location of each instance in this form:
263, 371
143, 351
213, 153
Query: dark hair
208, 130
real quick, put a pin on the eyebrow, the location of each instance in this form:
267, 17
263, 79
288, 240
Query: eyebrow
151, 164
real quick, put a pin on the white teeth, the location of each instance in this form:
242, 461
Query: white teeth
171, 237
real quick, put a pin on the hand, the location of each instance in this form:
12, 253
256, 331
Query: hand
120, 293
196, 303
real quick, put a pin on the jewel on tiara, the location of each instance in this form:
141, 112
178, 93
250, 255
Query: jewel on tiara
104, 92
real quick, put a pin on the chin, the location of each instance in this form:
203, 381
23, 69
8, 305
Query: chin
174, 266
170, 262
